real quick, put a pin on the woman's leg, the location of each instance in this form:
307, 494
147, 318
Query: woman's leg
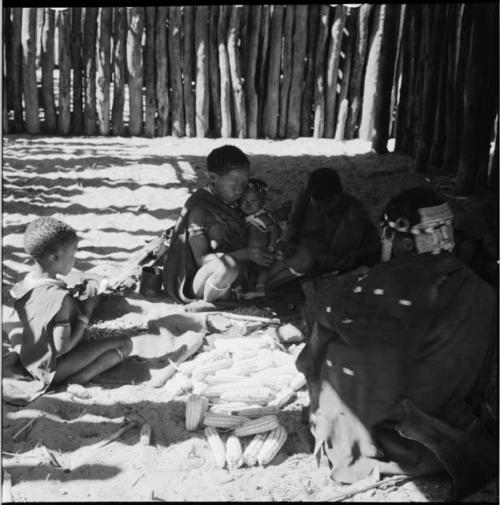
214, 280
90, 358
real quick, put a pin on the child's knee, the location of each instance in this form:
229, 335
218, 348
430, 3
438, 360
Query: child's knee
227, 270
126, 347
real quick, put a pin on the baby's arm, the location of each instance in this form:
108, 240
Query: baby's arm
66, 335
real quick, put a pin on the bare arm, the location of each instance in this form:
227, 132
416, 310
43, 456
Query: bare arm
200, 245
66, 335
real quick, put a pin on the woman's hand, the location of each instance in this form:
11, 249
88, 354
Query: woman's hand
260, 256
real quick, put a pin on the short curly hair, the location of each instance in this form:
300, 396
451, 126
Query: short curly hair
224, 159
45, 235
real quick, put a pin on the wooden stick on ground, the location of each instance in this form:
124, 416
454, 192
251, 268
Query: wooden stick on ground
390, 480
81, 455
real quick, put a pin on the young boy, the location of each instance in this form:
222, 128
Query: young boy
262, 230
54, 348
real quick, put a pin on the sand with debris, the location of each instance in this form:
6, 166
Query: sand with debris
119, 193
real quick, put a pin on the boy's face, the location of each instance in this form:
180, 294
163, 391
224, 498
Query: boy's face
250, 202
230, 186
63, 259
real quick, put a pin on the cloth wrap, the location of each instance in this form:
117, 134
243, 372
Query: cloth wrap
394, 363
180, 265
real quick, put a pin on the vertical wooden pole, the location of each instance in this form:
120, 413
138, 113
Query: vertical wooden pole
14, 71
262, 65
271, 107
402, 123
475, 145
202, 79
429, 98
225, 78
346, 76
187, 70
307, 98
47, 57
119, 70
385, 77
243, 43
463, 43
103, 71
30, 90
135, 16
175, 70
254, 19
7, 31
39, 29
235, 69
332, 70
286, 69
437, 144
356, 85
161, 61
299, 57
64, 41
213, 66
89, 63
450, 144
77, 64
319, 74
149, 73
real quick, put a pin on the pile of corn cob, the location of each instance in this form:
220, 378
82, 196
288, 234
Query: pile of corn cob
237, 391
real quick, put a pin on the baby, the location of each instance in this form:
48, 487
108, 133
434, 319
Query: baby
53, 347
262, 231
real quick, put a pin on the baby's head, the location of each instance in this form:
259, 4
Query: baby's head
254, 196
52, 244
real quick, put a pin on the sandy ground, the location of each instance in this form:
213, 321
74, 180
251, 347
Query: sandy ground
119, 193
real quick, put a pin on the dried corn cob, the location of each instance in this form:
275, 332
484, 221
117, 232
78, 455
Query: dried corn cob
298, 382
204, 370
247, 366
199, 387
240, 343
178, 385
216, 445
276, 370
246, 353
223, 379
217, 390
274, 441
259, 425
282, 398
272, 444
259, 395
257, 411
234, 454
277, 383
281, 358
227, 408
145, 435
252, 450
223, 420
196, 408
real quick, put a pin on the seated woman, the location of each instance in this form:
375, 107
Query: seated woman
328, 231
398, 358
208, 250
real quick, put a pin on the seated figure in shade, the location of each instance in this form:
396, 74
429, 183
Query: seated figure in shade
399, 359
328, 231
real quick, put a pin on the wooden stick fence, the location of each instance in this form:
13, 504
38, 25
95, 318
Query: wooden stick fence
426, 74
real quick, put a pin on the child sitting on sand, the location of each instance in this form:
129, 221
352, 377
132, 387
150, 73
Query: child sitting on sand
262, 231
54, 347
